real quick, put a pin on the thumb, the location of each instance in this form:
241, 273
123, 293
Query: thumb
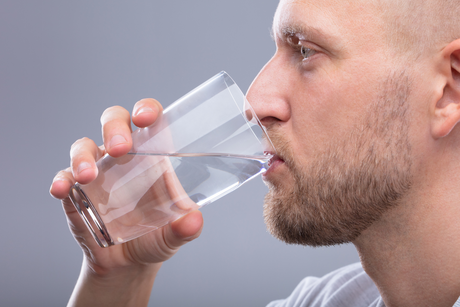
184, 230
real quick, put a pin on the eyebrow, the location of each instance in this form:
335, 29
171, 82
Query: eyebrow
306, 32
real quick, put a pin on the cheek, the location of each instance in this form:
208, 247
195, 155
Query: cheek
326, 107
321, 110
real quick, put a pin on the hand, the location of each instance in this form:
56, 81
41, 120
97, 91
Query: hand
140, 258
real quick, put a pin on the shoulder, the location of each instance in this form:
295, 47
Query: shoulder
347, 286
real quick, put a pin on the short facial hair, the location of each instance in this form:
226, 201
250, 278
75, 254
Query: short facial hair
353, 183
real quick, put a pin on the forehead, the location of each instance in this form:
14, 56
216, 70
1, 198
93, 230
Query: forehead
339, 22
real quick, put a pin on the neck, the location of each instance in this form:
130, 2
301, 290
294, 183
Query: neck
413, 252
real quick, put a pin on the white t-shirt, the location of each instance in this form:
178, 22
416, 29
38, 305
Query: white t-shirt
349, 286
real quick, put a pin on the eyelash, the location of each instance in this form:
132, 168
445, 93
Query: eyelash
305, 52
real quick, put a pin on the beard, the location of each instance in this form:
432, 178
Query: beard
351, 184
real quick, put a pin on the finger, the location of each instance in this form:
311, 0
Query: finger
116, 131
59, 189
83, 156
184, 230
146, 111
61, 184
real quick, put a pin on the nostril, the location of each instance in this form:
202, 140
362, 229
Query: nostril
248, 113
268, 121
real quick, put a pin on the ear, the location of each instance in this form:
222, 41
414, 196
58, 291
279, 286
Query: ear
447, 109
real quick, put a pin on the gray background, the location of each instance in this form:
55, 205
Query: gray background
61, 64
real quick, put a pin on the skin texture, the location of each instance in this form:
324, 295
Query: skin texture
333, 201
121, 275
347, 158
362, 101
334, 73
419, 27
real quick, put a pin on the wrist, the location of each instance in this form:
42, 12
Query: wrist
125, 286
124, 272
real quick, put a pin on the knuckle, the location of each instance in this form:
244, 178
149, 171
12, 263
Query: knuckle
113, 113
61, 174
81, 145
79, 142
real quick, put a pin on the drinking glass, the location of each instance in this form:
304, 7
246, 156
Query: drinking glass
203, 146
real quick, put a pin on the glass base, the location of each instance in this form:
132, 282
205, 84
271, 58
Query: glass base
89, 214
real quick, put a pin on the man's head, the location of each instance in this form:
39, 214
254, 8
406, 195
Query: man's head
349, 99
419, 27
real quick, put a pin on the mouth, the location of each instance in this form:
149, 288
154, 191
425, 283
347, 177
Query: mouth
274, 159
273, 163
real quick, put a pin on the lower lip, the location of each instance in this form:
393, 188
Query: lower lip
275, 164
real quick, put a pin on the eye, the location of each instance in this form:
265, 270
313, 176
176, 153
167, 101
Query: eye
306, 52
297, 44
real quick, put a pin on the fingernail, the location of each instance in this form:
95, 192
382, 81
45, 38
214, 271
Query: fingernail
117, 140
144, 110
83, 166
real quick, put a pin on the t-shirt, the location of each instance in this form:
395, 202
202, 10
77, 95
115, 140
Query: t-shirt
348, 286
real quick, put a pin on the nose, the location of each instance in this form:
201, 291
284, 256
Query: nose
269, 92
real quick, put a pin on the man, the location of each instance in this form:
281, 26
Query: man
361, 101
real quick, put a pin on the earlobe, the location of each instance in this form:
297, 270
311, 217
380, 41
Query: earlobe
445, 120
447, 109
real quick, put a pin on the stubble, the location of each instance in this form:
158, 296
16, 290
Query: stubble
350, 186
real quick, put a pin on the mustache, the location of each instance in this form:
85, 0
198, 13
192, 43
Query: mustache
281, 144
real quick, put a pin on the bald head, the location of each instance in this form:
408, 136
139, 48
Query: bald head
420, 26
